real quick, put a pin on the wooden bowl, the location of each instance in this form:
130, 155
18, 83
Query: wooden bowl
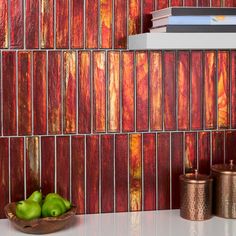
41, 225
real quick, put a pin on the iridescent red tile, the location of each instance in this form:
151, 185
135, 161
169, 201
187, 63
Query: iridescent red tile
189, 3
134, 17
4, 24
40, 93
183, 90
135, 172
121, 171
210, 89
148, 7
63, 166
128, 91
91, 24
32, 23
46, 24
77, 24
149, 168
107, 173
175, 3
32, 165
203, 3
47, 164
223, 89
17, 168
17, 24
120, 25
190, 155
155, 90
9, 92
163, 156
78, 172
24, 93
217, 147
84, 93
69, 92
142, 91
114, 91
233, 89
216, 3
92, 174
160, 4
99, 89
62, 24
4, 175
196, 90
105, 23
169, 91
54, 92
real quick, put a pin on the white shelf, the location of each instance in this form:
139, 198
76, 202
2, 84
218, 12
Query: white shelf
154, 41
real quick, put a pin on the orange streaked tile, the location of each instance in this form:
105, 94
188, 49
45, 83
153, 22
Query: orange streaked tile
233, 89
156, 93
210, 89
47, 20
84, 92
91, 24
4, 24
114, 91
77, 23
134, 20
106, 23
128, 91
24, 93
99, 89
183, 90
190, 155
32, 165
120, 25
142, 91
135, 170
223, 89
160, 4
69, 92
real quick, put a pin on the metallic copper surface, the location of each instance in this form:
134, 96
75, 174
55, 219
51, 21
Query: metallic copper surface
113, 91
155, 91
84, 92
46, 23
135, 172
99, 91
223, 89
224, 204
141, 91
69, 92
195, 196
190, 156
77, 23
105, 23
230, 140
24, 93
4, 24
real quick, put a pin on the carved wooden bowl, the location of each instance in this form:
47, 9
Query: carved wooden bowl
39, 226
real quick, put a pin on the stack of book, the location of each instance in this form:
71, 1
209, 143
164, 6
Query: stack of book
190, 20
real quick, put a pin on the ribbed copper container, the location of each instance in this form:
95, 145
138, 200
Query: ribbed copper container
195, 196
224, 190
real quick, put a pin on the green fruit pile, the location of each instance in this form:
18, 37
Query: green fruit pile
35, 206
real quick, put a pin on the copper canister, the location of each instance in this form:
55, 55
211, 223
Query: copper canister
195, 196
224, 190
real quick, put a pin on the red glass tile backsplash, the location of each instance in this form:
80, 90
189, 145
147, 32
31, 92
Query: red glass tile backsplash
109, 129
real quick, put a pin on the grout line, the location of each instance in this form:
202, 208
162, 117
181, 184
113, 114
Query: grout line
135, 91
9, 23
47, 91
39, 26
24, 22
91, 91
176, 63
157, 173
127, 24
99, 36
203, 90
32, 90
142, 173
224, 146
197, 151
67, 49
190, 89
128, 210
211, 146
62, 92
26, 140
77, 91
113, 25
184, 152
17, 109
163, 89
55, 24
69, 24
230, 90
141, 16
107, 80
55, 163
149, 90
114, 173
121, 89
85, 173
84, 24
170, 171
100, 174
40, 162
216, 88
70, 169
9, 167
1, 92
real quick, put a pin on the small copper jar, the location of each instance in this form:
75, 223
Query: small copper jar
224, 190
195, 196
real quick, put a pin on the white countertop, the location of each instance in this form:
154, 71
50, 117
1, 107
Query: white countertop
163, 223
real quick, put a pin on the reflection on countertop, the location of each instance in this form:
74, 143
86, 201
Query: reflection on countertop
163, 223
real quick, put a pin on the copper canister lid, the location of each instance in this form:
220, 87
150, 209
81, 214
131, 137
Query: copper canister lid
195, 178
227, 169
